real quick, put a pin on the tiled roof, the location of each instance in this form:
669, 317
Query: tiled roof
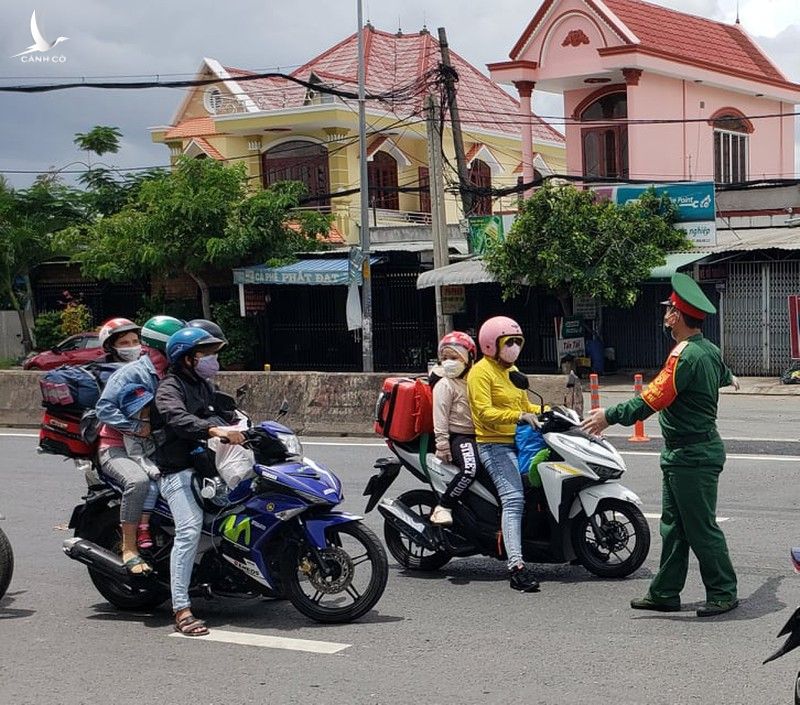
394, 62
694, 38
208, 148
192, 127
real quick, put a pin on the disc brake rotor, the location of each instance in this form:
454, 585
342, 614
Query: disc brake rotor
340, 565
615, 536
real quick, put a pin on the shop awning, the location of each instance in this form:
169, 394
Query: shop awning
471, 271
674, 262
322, 272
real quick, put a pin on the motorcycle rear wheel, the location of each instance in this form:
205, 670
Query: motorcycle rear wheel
301, 575
6, 563
407, 553
622, 524
146, 597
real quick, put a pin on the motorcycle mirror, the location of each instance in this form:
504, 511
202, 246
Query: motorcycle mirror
572, 379
224, 402
519, 380
241, 391
284, 408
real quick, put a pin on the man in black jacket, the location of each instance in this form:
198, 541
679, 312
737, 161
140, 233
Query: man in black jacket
185, 405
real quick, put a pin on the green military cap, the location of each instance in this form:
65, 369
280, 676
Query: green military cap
688, 297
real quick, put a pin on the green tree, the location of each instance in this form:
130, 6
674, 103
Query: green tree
106, 191
198, 216
28, 220
569, 243
100, 140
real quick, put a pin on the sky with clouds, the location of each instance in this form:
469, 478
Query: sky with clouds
147, 37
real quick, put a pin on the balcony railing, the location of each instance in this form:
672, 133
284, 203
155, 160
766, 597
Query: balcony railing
378, 216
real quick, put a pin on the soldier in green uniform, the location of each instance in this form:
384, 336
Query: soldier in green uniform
686, 395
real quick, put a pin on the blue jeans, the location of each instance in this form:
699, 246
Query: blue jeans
500, 461
188, 517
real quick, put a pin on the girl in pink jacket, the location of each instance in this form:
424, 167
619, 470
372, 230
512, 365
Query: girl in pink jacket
452, 420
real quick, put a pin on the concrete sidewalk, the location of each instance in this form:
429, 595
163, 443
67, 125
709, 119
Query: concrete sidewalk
622, 383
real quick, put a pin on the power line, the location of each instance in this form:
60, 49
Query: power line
140, 85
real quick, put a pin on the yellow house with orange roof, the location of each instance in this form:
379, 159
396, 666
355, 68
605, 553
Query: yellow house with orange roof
284, 131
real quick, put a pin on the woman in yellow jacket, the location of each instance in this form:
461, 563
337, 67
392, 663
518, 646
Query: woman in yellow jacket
497, 406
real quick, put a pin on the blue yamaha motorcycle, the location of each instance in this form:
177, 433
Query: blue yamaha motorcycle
276, 535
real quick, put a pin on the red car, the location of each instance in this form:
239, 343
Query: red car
75, 350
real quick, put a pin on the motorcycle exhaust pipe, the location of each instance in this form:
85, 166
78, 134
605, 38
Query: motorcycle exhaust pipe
97, 557
408, 523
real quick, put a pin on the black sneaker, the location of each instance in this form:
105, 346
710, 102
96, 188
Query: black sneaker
522, 579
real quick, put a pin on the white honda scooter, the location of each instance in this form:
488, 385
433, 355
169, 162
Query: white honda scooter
580, 514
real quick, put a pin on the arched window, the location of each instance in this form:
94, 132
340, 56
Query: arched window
298, 160
480, 175
605, 148
382, 179
731, 130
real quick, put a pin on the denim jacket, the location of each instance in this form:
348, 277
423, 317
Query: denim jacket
141, 371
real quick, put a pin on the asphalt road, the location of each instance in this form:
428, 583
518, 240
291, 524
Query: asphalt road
456, 636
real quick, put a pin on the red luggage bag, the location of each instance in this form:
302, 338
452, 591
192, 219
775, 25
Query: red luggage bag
60, 434
404, 409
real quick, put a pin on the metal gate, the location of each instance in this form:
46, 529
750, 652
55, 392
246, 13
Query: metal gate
756, 316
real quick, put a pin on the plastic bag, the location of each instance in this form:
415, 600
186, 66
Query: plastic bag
529, 442
234, 463
792, 374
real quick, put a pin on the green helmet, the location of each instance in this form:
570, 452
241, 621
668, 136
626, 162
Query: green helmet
156, 332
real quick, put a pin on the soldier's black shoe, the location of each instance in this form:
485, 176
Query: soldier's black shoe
714, 607
647, 603
522, 579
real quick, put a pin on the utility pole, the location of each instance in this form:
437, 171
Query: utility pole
366, 272
441, 254
455, 121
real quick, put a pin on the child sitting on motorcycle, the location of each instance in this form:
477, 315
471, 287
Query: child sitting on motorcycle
452, 420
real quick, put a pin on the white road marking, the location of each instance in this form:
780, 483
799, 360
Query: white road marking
268, 642
730, 456
650, 454
652, 515
342, 443
659, 437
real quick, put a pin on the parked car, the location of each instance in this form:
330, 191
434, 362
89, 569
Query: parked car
75, 350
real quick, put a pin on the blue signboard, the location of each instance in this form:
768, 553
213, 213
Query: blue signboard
694, 201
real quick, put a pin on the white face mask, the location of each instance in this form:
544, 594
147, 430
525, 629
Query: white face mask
453, 368
510, 353
129, 354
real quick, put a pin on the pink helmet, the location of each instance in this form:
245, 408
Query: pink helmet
457, 339
494, 329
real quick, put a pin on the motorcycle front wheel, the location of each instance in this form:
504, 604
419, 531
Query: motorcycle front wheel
6, 563
357, 573
617, 544
408, 554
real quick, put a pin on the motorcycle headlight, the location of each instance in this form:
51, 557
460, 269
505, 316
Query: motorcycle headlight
605, 473
292, 443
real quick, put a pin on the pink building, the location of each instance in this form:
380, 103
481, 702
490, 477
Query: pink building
725, 110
